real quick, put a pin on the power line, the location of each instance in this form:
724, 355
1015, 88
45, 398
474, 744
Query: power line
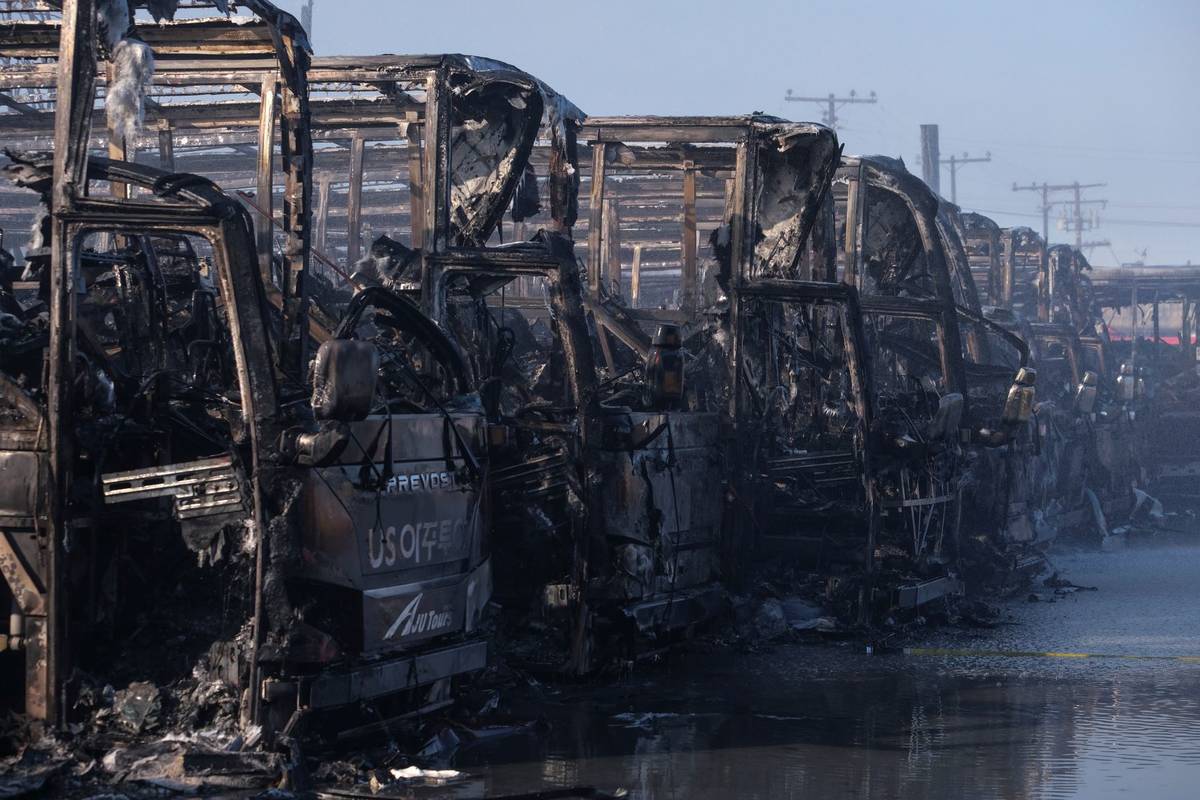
1156, 223
931, 162
1156, 205
1080, 149
955, 164
832, 104
1076, 223
1107, 221
1008, 213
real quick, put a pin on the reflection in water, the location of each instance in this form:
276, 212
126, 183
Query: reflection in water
830, 722
901, 728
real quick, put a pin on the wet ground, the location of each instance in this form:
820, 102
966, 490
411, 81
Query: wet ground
828, 720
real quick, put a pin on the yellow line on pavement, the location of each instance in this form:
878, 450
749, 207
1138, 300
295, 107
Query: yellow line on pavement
946, 651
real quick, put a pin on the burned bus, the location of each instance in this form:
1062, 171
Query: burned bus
898, 241
191, 459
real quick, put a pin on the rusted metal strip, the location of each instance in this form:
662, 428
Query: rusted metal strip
612, 246
297, 152
118, 147
596, 219
416, 190
435, 195
72, 127
635, 286
166, 146
688, 238
354, 202
223, 38
324, 183
439, 129
265, 225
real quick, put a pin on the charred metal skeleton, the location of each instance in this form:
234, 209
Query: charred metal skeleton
1085, 465
603, 510
609, 446
757, 185
948, 370
345, 524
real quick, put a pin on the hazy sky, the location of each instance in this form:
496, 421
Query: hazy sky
1099, 92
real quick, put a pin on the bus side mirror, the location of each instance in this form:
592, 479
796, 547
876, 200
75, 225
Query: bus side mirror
344, 375
1085, 393
1127, 383
664, 368
1018, 406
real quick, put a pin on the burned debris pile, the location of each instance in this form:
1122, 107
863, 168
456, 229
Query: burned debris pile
596, 385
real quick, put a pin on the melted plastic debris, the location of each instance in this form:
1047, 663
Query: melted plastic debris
133, 67
430, 775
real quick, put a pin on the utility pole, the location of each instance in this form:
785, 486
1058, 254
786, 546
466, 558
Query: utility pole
931, 158
832, 104
932, 163
306, 12
1045, 190
1078, 224
954, 165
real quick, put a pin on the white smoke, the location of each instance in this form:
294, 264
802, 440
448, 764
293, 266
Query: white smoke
133, 71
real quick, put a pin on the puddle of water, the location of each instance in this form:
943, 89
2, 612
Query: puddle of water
832, 722
908, 732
